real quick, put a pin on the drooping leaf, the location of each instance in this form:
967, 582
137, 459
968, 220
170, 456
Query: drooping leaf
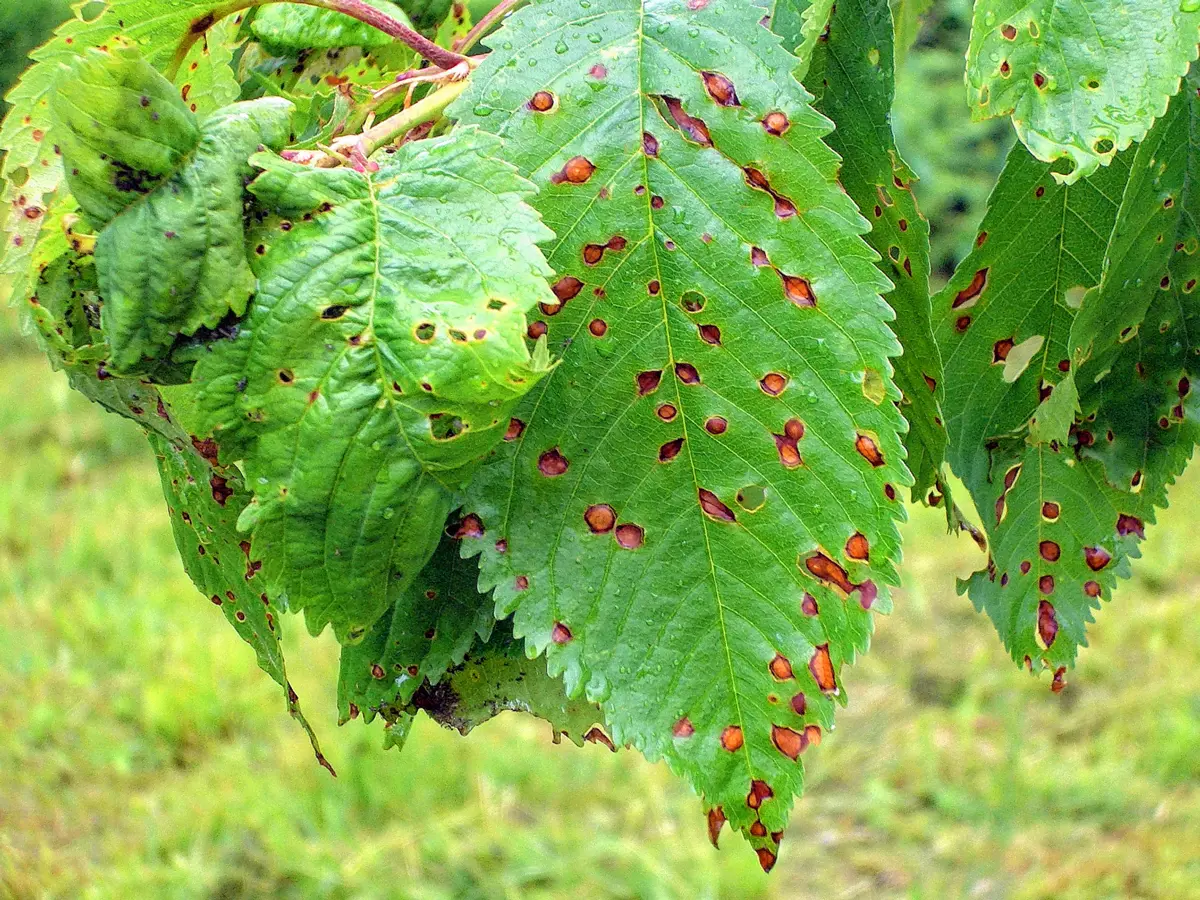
430, 626
203, 498
32, 171
698, 504
289, 28
377, 365
168, 192
1153, 221
855, 72
1082, 79
495, 677
1060, 533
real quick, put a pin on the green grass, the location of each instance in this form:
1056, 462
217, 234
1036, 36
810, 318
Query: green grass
142, 753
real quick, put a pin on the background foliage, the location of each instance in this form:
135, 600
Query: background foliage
953, 774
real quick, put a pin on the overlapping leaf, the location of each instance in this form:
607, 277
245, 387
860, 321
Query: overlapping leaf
32, 171
697, 506
203, 499
801, 23
1082, 79
853, 74
168, 193
289, 28
377, 365
430, 626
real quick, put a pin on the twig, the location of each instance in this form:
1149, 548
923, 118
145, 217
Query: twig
484, 25
357, 9
429, 108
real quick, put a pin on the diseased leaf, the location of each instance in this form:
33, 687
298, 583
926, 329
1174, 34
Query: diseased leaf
1151, 224
288, 28
496, 676
203, 499
699, 503
430, 626
1082, 79
855, 71
377, 365
32, 170
171, 256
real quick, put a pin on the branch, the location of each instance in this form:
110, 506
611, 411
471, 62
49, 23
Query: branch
356, 9
484, 25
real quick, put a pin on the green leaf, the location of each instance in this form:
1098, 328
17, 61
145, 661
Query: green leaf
1082, 79
1061, 529
377, 365
288, 28
169, 194
203, 498
431, 625
907, 14
1151, 223
496, 676
32, 170
800, 23
855, 69
722, 423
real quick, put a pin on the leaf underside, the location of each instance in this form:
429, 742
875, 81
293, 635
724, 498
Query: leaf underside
1082, 79
696, 508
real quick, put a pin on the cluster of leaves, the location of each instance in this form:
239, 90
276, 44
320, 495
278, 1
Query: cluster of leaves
586, 375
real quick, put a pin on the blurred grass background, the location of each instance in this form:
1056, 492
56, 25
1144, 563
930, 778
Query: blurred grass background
143, 755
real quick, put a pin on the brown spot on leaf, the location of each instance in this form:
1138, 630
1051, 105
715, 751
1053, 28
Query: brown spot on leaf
666, 412
1046, 584
821, 667
221, 492
798, 290
578, 170
731, 738
971, 293
649, 144
600, 518
552, 463
537, 329
683, 728
1127, 525
759, 791
377, 671
716, 425
1001, 349
710, 334
720, 89
781, 667
827, 570
647, 382
868, 450
687, 373
1092, 588
1047, 624
776, 123
1050, 510
758, 257
567, 288
714, 508
766, 858
799, 704
1059, 681
515, 429
670, 450
693, 128
773, 384
561, 634
1025, 567
716, 821
758, 829
1039, 80
1050, 551
598, 328
1009, 32
857, 547
808, 604
542, 101
471, 526
1097, 558
630, 536
521, 583
790, 743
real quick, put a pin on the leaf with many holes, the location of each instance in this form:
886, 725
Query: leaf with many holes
377, 365
1152, 225
32, 171
1059, 534
431, 625
853, 74
288, 28
1082, 79
169, 194
699, 503
203, 499
496, 676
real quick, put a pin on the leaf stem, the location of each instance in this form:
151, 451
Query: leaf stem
357, 9
428, 108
